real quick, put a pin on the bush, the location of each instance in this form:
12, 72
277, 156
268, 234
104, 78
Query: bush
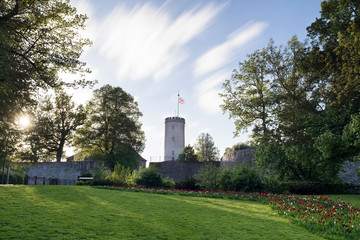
317, 188
208, 177
189, 183
246, 179
168, 183
226, 180
272, 184
87, 174
123, 176
149, 177
101, 174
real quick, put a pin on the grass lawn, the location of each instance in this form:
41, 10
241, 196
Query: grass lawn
77, 212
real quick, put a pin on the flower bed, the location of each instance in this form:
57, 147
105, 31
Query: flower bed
329, 217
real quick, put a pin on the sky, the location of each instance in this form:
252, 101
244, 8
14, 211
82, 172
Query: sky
157, 49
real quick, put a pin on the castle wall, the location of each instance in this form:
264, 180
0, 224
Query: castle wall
61, 173
239, 157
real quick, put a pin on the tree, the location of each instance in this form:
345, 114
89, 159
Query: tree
205, 148
187, 155
112, 125
335, 39
55, 123
287, 118
208, 177
37, 40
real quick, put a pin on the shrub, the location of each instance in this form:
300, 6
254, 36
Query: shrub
149, 177
168, 182
87, 174
208, 177
317, 188
188, 183
122, 175
226, 180
246, 178
101, 174
272, 184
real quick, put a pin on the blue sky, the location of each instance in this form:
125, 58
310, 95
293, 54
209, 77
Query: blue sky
153, 49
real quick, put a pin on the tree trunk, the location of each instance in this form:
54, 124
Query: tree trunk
60, 149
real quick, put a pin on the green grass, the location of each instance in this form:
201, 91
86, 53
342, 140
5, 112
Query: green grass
73, 212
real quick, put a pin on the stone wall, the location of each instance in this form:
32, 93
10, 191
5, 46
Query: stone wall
239, 157
349, 175
179, 170
58, 173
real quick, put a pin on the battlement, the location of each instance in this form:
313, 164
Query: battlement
175, 119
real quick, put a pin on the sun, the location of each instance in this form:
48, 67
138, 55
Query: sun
24, 121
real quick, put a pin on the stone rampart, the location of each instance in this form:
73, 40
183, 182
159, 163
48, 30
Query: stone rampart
58, 173
239, 157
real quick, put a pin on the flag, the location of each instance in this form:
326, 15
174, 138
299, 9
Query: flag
181, 101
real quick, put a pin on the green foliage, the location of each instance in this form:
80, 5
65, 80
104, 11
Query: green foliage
206, 150
38, 39
149, 177
188, 183
300, 124
112, 131
236, 147
208, 176
240, 178
123, 176
101, 174
187, 155
54, 123
87, 174
168, 183
271, 183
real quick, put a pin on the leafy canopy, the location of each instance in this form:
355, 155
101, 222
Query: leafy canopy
112, 130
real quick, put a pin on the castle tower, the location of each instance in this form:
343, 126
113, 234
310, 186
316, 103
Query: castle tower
174, 137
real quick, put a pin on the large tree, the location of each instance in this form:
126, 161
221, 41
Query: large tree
37, 39
112, 124
315, 94
205, 148
55, 122
288, 126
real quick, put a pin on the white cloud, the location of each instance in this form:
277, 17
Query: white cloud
208, 92
222, 54
146, 41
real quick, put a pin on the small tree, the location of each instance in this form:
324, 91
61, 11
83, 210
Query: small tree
187, 155
205, 148
208, 177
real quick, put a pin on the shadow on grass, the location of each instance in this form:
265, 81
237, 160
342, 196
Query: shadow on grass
72, 212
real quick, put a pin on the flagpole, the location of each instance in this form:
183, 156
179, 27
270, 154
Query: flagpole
178, 104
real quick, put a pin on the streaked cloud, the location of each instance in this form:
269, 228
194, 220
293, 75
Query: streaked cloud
224, 53
208, 92
146, 41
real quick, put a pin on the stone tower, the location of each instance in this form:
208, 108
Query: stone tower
174, 137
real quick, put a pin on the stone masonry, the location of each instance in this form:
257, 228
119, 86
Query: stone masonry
58, 173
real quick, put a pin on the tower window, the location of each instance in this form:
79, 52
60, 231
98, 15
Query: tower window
173, 139
173, 153
173, 127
